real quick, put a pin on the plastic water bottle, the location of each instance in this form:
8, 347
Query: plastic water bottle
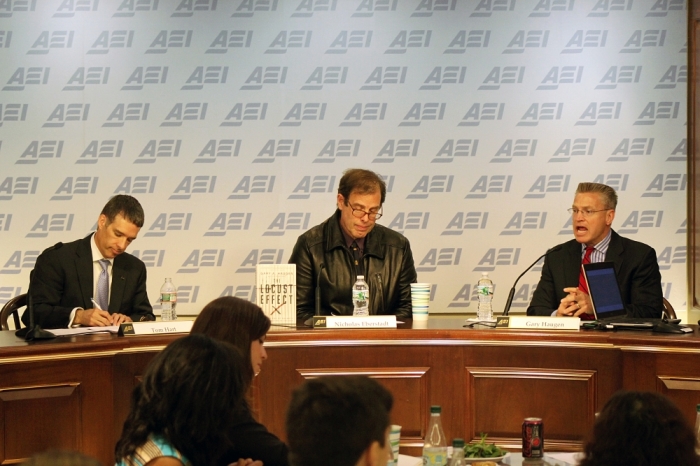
168, 300
485, 291
697, 429
435, 446
360, 297
458, 453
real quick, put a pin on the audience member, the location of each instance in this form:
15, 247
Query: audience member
640, 429
183, 409
339, 420
244, 325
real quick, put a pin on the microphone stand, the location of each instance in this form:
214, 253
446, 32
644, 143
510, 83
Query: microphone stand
511, 293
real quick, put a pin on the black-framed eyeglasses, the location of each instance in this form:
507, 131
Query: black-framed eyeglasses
359, 213
585, 213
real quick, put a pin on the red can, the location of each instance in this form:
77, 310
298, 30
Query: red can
533, 437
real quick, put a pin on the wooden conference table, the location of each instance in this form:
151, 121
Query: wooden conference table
74, 392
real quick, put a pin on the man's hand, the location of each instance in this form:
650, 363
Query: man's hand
574, 304
92, 318
120, 318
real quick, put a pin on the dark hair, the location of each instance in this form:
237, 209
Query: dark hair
189, 395
335, 419
609, 195
126, 206
235, 321
640, 428
362, 182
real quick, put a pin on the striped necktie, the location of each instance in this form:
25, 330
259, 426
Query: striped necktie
103, 285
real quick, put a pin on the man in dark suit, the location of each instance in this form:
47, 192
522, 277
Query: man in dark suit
560, 291
91, 281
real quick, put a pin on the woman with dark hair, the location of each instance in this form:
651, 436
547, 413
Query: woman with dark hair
244, 325
183, 409
640, 429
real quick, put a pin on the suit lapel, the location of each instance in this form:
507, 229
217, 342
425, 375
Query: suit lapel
614, 253
84, 269
118, 283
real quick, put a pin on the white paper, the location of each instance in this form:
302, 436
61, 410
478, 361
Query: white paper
62, 332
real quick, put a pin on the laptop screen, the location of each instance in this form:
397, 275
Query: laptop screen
604, 290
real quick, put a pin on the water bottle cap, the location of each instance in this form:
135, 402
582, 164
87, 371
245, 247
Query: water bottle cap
435, 409
458, 443
360, 277
484, 274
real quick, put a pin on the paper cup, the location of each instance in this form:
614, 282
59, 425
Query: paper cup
394, 438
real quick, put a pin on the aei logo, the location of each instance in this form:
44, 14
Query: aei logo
603, 8
443, 75
409, 221
67, 112
502, 75
478, 112
307, 8
74, 186
205, 75
367, 8
96, 150
49, 223
313, 184
350, 39
230, 39
40, 150
544, 8
409, 39
214, 150
27, 76
5, 221
670, 255
274, 149
202, 184
527, 40
19, 260
137, 185
338, 148
541, 112
658, 111
252, 185
247, 8
596, 38
666, 183
164, 148
426, 8
648, 38
631, 146
465, 221
514, 148
260, 256
431, 184
443, 257
166, 40
424, 112
285, 40
545, 184
385, 75
186, 9
94, 75
128, 8
107, 40
265, 75
185, 112
456, 148
494, 257
561, 75
165, 222
7, 8
572, 148
364, 112
199, 258
224, 222
641, 219
524, 221
599, 111
252, 111
126, 112
674, 75
468, 39
304, 111
397, 148
490, 184
48, 40
620, 75
145, 75
485, 8
325, 75
19, 185
291, 221
150, 257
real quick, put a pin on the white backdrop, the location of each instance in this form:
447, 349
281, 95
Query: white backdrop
232, 122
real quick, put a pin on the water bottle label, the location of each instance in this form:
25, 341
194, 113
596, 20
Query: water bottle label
483, 290
359, 295
168, 297
435, 458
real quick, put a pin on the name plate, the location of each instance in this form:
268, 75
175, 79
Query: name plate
155, 328
538, 323
354, 322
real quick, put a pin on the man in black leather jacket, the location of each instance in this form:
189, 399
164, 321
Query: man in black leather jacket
328, 252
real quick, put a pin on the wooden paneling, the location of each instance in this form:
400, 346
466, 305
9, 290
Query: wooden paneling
485, 380
693, 163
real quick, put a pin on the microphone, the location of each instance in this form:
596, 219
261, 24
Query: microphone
509, 301
317, 303
318, 290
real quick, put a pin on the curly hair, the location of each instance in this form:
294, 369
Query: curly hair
640, 429
235, 321
189, 395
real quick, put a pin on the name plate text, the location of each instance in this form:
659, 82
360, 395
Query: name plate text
155, 328
538, 323
354, 322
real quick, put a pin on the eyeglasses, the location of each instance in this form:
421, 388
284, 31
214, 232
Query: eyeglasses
585, 213
359, 213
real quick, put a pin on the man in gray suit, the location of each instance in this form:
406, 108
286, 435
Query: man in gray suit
560, 291
92, 281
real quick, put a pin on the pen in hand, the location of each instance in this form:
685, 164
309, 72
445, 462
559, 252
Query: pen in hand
97, 306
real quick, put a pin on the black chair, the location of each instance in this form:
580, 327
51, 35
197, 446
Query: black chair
669, 312
12, 308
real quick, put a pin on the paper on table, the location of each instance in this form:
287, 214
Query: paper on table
405, 460
566, 458
62, 332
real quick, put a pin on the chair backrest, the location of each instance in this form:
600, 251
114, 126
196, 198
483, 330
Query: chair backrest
11, 308
669, 312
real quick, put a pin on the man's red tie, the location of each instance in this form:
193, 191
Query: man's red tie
582, 279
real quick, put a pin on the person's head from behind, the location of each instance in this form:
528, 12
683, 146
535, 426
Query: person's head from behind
118, 225
189, 395
339, 420
640, 428
238, 322
361, 194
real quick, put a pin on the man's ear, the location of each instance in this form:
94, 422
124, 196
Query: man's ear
374, 455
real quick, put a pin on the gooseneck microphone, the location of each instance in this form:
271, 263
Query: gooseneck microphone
317, 297
34, 331
509, 301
